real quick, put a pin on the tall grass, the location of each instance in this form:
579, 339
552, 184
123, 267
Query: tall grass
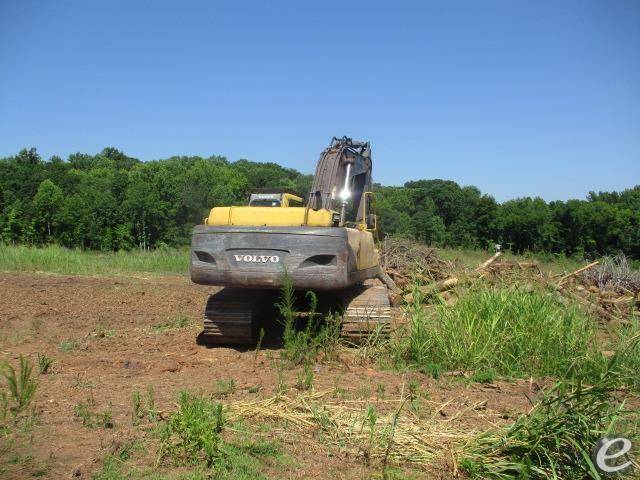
505, 330
555, 439
56, 259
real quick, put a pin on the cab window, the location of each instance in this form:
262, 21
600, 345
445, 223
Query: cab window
265, 203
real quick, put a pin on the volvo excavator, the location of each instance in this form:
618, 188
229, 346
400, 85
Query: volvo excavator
326, 245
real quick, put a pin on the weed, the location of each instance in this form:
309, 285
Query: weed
254, 389
304, 378
381, 391
414, 390
192, 434
103, 331
628, 348
86, 412
329, 337
4, 409
68, 345
105, 418
22, 386
83, 383
141, 410
321, 417
391, 431
152, 413
338, 390
373, 346
294, 344
258, 345
303, 345
281, 386
44, 364
483, 376
371, 420
363, 391
177, 323
27, 463
36, 325
434, 370
224, 388
136, 403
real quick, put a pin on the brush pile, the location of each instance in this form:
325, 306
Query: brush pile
609, 288
613, 274
407, 261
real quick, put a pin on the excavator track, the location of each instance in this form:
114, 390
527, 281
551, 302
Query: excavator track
229, 317
367, 313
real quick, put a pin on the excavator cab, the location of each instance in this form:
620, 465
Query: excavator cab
270, 197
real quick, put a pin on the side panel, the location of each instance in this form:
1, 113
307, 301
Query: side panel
257, 257
363, 247
271, 216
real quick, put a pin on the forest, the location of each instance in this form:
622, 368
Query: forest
110, 201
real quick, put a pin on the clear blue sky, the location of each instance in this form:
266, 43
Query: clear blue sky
518, 98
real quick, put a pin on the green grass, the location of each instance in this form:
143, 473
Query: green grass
628, 340
55, 259
177, 323
502, 331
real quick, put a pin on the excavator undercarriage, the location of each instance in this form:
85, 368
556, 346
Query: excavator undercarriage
232, 315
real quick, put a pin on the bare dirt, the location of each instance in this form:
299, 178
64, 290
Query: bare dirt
119, 337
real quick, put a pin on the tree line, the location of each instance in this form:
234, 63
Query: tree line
111, 201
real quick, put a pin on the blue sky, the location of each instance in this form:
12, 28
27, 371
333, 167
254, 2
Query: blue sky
517, 98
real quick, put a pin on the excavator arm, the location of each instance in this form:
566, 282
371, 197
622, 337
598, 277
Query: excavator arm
343, 175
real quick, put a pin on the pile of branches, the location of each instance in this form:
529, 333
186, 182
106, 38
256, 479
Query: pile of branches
608, 289
405, 259
613, 274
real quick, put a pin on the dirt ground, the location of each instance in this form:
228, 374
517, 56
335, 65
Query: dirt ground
118, 337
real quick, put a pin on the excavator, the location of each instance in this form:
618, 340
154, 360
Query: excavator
326, 245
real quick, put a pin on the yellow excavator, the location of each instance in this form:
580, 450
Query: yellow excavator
326, 246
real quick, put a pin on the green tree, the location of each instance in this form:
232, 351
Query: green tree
47, 204
526, 224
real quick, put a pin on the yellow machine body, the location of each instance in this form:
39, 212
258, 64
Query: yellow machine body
269, 217
360, 237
